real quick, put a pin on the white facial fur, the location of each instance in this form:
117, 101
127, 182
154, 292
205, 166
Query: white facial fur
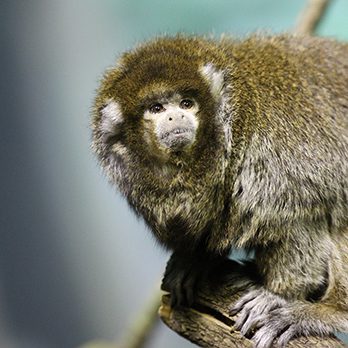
174, 126
111, 118
111, 121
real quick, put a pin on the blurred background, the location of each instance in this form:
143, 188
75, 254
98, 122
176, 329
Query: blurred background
75, 264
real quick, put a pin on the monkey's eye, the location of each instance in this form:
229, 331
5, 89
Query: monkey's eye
156, 108
186, 104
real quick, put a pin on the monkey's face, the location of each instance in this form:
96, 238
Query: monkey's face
174, 121
161, 107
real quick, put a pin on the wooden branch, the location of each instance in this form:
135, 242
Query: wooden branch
311, 16
208, 323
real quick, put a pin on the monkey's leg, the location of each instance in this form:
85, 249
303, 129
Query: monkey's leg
184, 272
299, 292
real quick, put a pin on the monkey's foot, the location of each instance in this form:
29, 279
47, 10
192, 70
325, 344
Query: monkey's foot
182, 284
269, 319
184, 274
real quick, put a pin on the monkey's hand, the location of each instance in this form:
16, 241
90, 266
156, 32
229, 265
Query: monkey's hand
184, 274
268, 319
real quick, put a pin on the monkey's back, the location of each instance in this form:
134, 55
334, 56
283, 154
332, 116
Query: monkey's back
284, 72
296, 162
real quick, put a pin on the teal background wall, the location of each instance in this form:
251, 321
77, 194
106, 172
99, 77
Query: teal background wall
75, 264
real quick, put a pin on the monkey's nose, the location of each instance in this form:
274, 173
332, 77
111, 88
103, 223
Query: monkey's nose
176, 117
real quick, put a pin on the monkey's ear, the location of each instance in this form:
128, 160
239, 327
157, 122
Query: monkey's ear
214, 77
220, 89
111, 118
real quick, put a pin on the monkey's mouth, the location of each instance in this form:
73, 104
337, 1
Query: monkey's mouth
177, 137
176, 132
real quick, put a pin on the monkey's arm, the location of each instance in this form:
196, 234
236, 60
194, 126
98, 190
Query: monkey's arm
303, 292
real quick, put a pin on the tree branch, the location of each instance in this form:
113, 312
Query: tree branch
311, 16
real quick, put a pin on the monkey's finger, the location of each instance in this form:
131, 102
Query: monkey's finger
189, 289
173, 300
241, 319
248, 312
177, 297
253, 323
287, 335
240, 304
265, 337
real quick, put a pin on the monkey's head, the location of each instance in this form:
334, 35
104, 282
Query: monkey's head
159, 105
